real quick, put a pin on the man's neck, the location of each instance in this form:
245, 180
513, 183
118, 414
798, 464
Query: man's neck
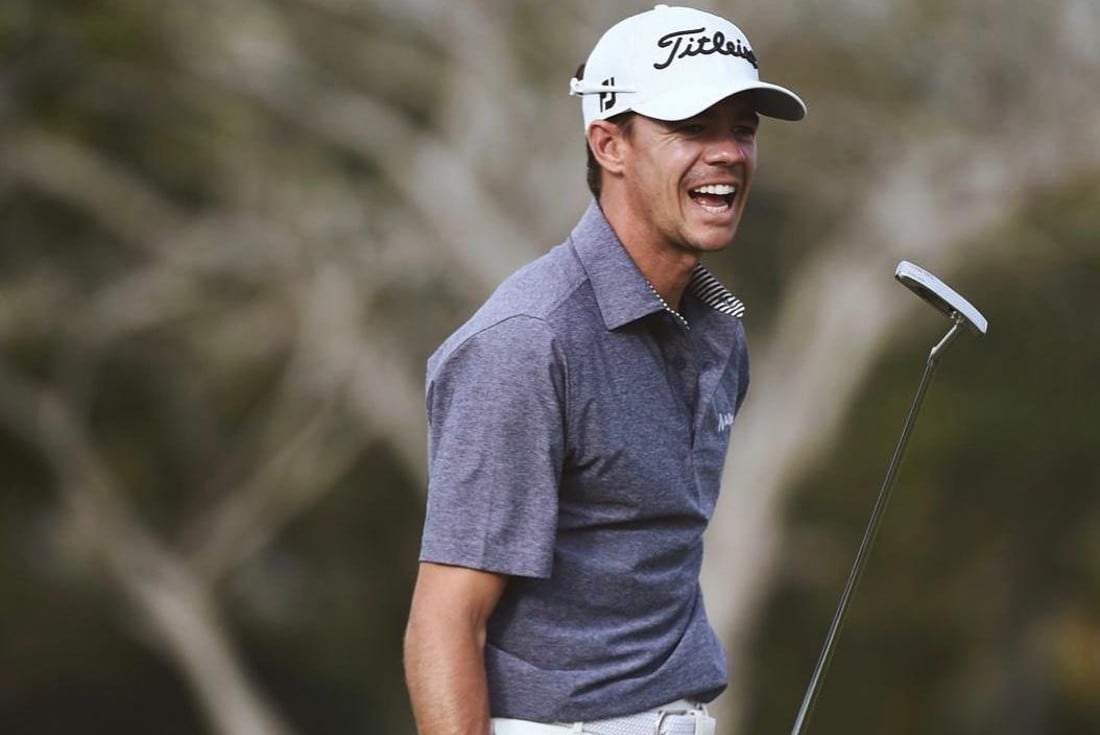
669, 276
666, 268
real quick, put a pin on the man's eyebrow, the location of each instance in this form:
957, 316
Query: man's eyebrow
752, 117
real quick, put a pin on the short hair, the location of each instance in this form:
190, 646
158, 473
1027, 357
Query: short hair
624, 120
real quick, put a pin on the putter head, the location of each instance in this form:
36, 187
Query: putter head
940, 295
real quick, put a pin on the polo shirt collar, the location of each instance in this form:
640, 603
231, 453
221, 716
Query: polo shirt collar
622, 292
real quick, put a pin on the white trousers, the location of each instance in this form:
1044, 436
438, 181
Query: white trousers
504, 726
678, 718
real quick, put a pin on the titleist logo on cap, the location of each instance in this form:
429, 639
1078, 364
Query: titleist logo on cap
696, 42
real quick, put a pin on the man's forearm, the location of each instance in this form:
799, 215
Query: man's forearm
445, 672
445, 649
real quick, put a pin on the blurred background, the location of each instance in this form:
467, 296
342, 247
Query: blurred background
231, 232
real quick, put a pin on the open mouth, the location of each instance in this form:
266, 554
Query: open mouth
716, 198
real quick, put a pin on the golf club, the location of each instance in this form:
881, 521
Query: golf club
960, 312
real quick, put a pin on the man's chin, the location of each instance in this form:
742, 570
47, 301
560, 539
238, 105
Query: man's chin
713, 239
709, 233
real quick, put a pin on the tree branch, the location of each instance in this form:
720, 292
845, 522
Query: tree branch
161, 588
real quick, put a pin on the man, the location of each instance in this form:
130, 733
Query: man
579, 420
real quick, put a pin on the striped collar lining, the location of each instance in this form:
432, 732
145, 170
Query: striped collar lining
708, 289
711, 292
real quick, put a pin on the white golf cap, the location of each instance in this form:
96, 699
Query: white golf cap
671, 63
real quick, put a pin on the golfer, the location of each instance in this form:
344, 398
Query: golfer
578, 422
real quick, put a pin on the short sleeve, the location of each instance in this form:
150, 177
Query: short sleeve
495, 450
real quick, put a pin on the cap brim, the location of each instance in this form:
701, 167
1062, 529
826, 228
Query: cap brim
778, 102
770, 100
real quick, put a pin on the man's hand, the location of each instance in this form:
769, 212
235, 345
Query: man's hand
445, 649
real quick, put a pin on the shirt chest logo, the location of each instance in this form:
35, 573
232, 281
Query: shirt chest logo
725, 420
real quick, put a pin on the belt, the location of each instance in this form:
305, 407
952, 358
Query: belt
678, 718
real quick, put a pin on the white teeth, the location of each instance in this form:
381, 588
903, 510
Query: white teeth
716, 189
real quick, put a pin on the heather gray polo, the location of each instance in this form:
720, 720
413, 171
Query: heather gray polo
577, 430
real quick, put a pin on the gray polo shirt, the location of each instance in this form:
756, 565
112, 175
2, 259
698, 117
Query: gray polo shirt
577, 430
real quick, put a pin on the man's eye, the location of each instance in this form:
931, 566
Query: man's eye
691, 129
744, 131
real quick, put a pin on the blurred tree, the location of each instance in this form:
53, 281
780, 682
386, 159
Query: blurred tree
979, 611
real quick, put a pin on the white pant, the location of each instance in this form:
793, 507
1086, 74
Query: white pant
504, 726
689, 717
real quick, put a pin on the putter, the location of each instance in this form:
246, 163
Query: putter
961, 312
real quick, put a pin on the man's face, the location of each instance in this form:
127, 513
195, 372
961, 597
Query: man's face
687, 181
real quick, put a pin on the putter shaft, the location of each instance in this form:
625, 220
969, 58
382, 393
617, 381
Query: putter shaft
823, 660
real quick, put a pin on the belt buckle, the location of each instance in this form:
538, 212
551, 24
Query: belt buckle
704, 723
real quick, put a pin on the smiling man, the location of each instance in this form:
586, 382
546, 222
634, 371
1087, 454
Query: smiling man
578, 422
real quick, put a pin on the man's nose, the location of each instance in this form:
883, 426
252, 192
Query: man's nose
725, 150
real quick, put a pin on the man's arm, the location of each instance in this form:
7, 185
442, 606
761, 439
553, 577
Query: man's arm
445, 649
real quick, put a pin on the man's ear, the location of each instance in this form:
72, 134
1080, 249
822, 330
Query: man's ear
608, 143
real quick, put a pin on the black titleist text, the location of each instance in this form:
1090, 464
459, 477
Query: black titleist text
695, 42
